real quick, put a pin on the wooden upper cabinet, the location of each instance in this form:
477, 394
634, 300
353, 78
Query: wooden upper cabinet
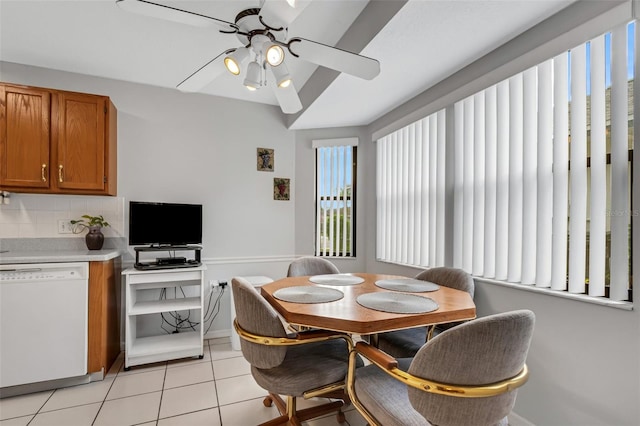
80, 143
24, 137
80, 147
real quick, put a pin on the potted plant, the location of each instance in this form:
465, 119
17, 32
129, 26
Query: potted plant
95, 237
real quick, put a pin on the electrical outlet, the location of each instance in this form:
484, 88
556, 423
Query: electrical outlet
65, 227
213, 284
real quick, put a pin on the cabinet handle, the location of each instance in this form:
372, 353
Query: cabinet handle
60, 179
44, 171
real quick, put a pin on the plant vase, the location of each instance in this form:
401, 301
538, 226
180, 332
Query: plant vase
94, 238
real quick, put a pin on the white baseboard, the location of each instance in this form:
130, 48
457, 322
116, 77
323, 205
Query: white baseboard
216, 334
516, 420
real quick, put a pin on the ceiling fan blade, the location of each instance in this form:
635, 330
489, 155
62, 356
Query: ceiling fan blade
334, 58
279, 13
287, 97
205, 75
169, 13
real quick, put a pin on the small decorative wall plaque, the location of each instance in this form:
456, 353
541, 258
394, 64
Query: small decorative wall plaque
281, 187
265, 160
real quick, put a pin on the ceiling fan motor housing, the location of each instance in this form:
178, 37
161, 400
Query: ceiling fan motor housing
249, 25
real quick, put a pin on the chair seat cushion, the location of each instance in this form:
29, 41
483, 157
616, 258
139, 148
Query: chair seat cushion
406, 343
402, 343
385, 398
306, 367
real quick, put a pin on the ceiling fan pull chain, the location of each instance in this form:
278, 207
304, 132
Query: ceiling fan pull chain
263, 73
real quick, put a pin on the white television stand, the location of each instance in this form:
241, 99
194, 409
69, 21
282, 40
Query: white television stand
142, 299
168, 262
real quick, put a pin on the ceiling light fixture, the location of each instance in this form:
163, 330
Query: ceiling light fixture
252, 80
233, 61
261, 43
282, 76
274, 55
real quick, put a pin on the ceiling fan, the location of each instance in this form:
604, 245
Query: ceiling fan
265, 48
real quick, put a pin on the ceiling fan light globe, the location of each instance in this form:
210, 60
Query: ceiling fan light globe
233, 61
232, 66
274, 55
282, 76
252, 80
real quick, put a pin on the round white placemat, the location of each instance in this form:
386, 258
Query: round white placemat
410, 285
336, 279
397, 303
308, 294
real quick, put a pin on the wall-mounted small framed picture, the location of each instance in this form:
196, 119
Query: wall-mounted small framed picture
265, 159
281, 188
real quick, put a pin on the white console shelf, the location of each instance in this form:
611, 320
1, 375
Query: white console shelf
142, 298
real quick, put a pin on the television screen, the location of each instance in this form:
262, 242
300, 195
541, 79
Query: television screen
164, 223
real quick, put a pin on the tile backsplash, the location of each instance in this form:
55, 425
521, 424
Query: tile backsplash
37, 215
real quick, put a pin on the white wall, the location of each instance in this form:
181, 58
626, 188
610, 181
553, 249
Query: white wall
192, 148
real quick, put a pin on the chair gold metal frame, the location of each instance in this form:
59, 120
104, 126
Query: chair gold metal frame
389, 365
288, 412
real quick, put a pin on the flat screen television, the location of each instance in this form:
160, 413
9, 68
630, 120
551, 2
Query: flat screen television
164, 224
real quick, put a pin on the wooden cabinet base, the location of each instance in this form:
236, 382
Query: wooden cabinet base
104, 326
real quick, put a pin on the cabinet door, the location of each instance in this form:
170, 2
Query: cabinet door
81, 142
24, 137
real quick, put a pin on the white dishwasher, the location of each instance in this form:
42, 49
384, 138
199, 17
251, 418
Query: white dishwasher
43, 322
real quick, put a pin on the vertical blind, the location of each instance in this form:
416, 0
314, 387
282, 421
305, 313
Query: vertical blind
553, 177
335, 201
411, 193
541, 180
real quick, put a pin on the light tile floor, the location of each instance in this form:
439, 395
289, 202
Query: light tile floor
217, 390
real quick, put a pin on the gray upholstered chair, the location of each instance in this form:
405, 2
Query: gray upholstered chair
309, 265
467, 375
405, 343
305, 364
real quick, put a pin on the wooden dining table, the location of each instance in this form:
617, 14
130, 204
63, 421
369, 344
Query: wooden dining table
347, 315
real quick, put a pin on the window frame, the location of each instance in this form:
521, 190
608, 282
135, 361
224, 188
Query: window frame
351, 197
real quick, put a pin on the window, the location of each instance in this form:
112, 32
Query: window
335, 197
541, 181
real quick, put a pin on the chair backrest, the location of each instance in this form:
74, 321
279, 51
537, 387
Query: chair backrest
309, 265
449, 277
452, 278
479, 352
255, 315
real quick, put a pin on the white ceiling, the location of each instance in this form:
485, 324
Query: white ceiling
424, 42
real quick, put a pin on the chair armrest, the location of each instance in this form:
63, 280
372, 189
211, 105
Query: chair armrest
383, 359
301, 338
390, 366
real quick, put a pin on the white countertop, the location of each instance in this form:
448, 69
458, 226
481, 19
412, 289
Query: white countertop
55, 256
